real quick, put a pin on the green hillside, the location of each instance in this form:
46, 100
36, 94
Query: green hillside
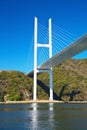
69, 83
15, 86
69, 80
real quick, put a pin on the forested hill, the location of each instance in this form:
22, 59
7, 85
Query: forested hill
69, 83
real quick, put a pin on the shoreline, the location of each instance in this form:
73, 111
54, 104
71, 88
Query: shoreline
43, 101
31, 101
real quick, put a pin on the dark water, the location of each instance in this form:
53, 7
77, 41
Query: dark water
47, 116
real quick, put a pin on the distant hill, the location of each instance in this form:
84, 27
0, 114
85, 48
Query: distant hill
69, 83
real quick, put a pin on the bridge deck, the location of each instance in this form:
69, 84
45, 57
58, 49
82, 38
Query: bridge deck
75, 48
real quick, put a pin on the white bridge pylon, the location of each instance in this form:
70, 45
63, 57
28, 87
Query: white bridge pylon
36, 46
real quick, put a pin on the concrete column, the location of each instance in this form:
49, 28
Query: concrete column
35, 60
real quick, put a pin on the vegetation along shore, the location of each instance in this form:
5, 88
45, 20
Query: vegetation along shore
69, 82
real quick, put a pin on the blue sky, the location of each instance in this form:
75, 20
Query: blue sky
17, 21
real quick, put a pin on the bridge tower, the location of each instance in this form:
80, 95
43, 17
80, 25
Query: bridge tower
36, 69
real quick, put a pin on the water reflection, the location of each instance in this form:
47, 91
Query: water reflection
34, 116
51, 115
51, 105
34, 106
47, 114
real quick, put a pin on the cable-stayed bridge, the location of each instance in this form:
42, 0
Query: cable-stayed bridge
68, 50
73, 49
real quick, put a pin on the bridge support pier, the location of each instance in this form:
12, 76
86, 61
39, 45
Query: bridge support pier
35, 60
51, 85
36, 70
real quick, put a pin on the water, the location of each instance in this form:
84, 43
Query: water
46, 116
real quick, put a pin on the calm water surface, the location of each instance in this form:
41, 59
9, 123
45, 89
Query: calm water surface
47, 116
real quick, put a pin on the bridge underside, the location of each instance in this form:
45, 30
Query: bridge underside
75, 48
